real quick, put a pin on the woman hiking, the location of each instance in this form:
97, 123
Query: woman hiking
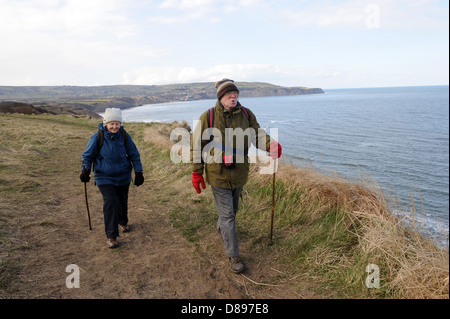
112, 155
227, 173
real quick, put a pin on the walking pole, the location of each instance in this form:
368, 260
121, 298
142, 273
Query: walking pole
85, 196
273, 202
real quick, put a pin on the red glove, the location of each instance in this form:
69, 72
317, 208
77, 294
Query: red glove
275, 150
197, 179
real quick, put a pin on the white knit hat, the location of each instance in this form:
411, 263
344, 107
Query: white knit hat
112, 114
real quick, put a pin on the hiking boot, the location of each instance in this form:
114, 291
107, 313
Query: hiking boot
236, 264
124, 228
112, 243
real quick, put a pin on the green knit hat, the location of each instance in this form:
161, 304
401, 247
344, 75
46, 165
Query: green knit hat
224, 86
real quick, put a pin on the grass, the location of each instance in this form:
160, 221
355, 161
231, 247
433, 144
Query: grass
331, 229
327, 230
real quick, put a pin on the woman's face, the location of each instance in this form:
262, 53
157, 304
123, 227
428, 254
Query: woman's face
113, 126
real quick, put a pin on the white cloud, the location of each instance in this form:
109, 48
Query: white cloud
252, 3
56, 40
398, 14
413, 14
67, 18
323, 76
171, 74
186, 4
277, 74
182, 11
179, 19
319, 14
81, 42
214, 11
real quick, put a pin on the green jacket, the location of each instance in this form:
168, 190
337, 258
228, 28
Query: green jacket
243, 132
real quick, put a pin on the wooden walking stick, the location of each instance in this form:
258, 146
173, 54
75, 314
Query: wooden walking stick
273, 201
85, 196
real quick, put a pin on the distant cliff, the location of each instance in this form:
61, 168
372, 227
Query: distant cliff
25, 108
97, 98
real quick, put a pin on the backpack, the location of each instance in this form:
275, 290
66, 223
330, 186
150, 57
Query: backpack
100, 138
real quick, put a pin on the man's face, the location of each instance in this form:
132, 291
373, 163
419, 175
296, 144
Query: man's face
229, 100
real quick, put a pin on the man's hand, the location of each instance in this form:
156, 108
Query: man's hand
197, 179
275, 150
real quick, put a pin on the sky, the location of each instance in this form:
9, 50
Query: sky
326, 44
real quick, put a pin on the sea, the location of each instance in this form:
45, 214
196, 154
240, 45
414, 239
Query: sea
395, 136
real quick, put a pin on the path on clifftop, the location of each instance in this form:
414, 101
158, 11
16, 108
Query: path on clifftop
45, 229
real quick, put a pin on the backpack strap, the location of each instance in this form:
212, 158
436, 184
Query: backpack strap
245, 112
124, 137
100, 138
210, 117
210, 120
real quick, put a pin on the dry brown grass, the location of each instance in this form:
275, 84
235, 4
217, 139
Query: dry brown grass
411, 265
159, 134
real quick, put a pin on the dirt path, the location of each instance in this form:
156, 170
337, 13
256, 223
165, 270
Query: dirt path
46, 229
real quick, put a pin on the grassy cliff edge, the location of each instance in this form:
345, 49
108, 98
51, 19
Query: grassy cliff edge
333, 233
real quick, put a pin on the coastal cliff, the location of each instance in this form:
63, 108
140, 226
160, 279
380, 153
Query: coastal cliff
332, 238
98, 98
54, 109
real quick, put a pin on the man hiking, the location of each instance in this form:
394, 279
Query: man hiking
230, 129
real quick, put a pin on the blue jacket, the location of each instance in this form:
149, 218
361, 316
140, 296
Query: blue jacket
114, 162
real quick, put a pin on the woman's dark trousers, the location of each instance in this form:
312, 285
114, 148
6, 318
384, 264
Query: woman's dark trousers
115, 208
